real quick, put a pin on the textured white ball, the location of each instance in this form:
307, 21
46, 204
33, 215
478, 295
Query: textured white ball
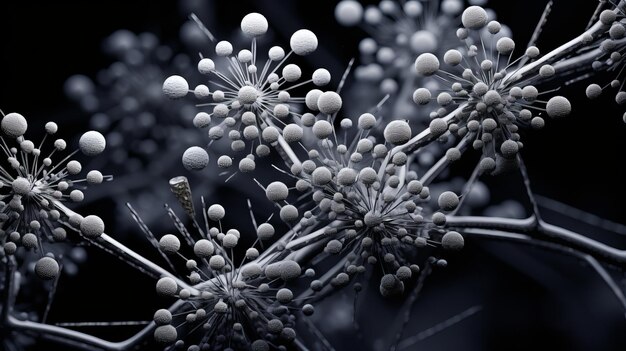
206, 66
474, 17
14, 125
92, 143
94, 177
47, 268
292, 133
558, 107
321, 77
175, 87
92, 226
397, 132
329, 102
276, 191
254, 24
216, 212
427, 64
303, 42
195, 158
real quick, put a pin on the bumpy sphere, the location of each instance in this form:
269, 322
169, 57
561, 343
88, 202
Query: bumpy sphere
474, 17
427, 64
452, 241
175, 87
303, 42
448, 201
14, 125
165, 334
195, 158
397, 132
169, 244
276, 191
329, 102
92, 143
92, 226
47, 268
254, 24
216, 212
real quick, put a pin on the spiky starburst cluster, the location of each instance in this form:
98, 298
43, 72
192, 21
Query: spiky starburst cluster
490, 105
33, 186
364, 207
248, 94
237, 302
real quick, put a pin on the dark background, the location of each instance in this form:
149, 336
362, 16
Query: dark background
579, 161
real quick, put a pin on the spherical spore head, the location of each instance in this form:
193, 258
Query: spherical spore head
558, 107
452, 241
216, 212
329, 102
14, 125
474, 17
303, 42
169, 244
92, 226
427, 64
165, 334
277, 191
448, 201
47, 268
195, 158
175, 87
397, 132
254, 24
92, 143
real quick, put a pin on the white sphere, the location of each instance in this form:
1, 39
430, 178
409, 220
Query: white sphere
329, 102
427, 64
223, 48
397, 132
276, 53
303, 42
474, 17
21, 186
94, 177
293, 133
169, 244
206, 66
14, 125
292, 72
254, 24
92, 143
558, 107
47, 268
92, 226
175, 87
195, 158
321, 77
277, 191
216, 212
349, 12
247, 95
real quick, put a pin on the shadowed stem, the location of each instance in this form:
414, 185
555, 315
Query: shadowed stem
545, 231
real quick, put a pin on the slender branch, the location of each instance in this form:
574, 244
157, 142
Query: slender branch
548, 231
